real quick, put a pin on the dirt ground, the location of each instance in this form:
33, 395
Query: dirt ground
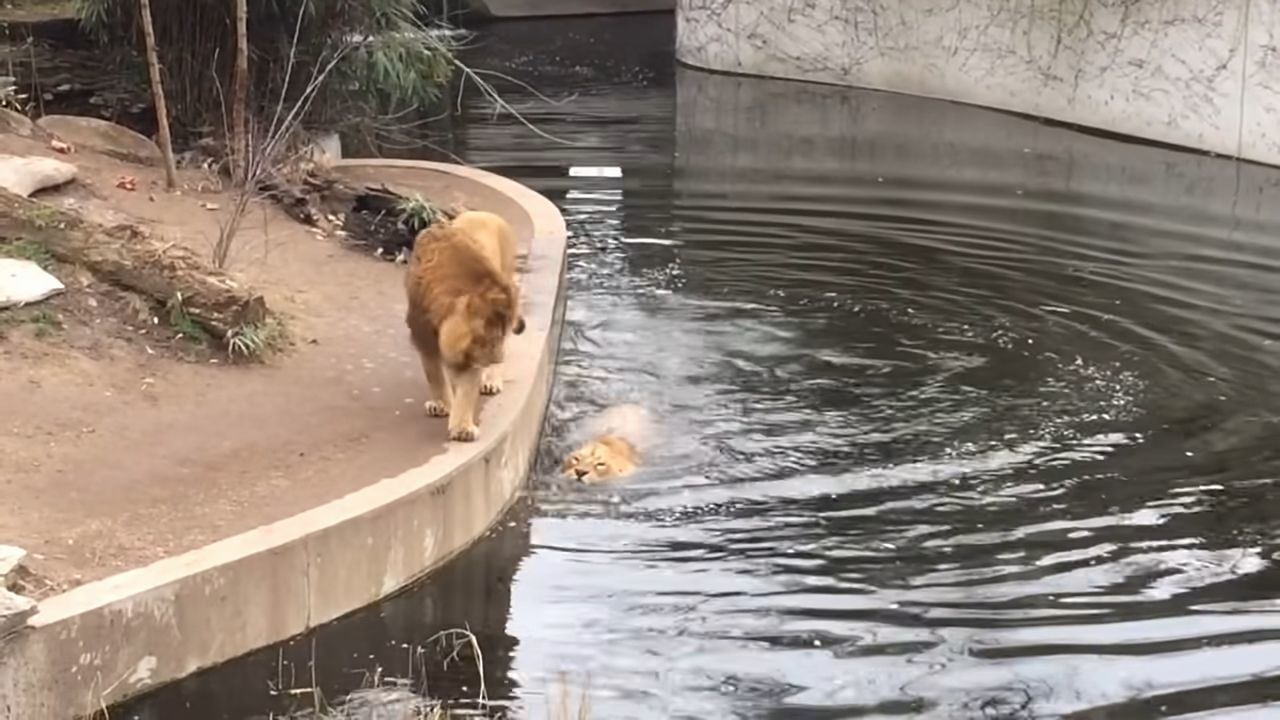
122, 442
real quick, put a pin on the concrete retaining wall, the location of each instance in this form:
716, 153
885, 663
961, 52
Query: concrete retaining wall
1196, 74
546, 8
109, 640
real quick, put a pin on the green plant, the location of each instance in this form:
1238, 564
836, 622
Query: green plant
46, 323
416, 214
43, 216
182, 321
390, 58
255, 341
26, 249
43, 321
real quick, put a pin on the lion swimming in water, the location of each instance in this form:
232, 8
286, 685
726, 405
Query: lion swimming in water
614, 448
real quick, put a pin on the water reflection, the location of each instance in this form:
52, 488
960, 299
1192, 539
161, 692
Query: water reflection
963, 415
378, 663
967, 416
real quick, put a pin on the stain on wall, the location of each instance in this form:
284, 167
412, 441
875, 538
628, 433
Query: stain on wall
1197, 73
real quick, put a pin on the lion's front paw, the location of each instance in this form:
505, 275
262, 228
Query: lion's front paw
491, 386
464, 433
435, 408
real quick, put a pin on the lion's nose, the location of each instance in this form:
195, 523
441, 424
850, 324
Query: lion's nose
580, 473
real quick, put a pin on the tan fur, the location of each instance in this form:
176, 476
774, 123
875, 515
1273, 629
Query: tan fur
618, 436
495, 239
602, 459
463, 300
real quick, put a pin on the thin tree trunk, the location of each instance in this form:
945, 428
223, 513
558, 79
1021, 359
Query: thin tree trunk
240, 95
157, 90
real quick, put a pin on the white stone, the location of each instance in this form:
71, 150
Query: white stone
26, 175
23, 282
10, 557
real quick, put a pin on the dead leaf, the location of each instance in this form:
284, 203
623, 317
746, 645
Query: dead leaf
59, 146
209, 206
127, 182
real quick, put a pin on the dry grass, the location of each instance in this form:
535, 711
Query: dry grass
389, 698
561, 705
385, 698
381, 697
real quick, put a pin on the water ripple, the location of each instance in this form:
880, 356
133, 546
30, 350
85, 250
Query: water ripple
941, 438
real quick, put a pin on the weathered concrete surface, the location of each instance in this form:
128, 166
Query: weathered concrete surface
538, 8
1200, 75
109, 640
105, 137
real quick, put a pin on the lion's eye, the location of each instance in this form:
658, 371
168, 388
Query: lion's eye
601, 466
574, 460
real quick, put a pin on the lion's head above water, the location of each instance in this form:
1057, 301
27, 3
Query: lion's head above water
600, 460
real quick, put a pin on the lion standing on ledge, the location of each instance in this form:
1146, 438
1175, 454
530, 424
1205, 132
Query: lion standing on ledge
463, 300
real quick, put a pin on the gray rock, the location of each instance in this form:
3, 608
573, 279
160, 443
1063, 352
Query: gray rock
102, 136
15, 123
10, 557
14, 611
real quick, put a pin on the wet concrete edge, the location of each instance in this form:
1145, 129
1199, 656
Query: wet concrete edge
498, 9
109, 640
1099, 124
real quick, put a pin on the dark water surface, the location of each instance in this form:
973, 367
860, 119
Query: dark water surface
962, 416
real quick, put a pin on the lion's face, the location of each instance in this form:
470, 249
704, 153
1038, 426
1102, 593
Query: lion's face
600, 460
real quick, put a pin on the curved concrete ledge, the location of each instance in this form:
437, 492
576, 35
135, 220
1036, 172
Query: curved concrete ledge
1178, 72
106, 641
